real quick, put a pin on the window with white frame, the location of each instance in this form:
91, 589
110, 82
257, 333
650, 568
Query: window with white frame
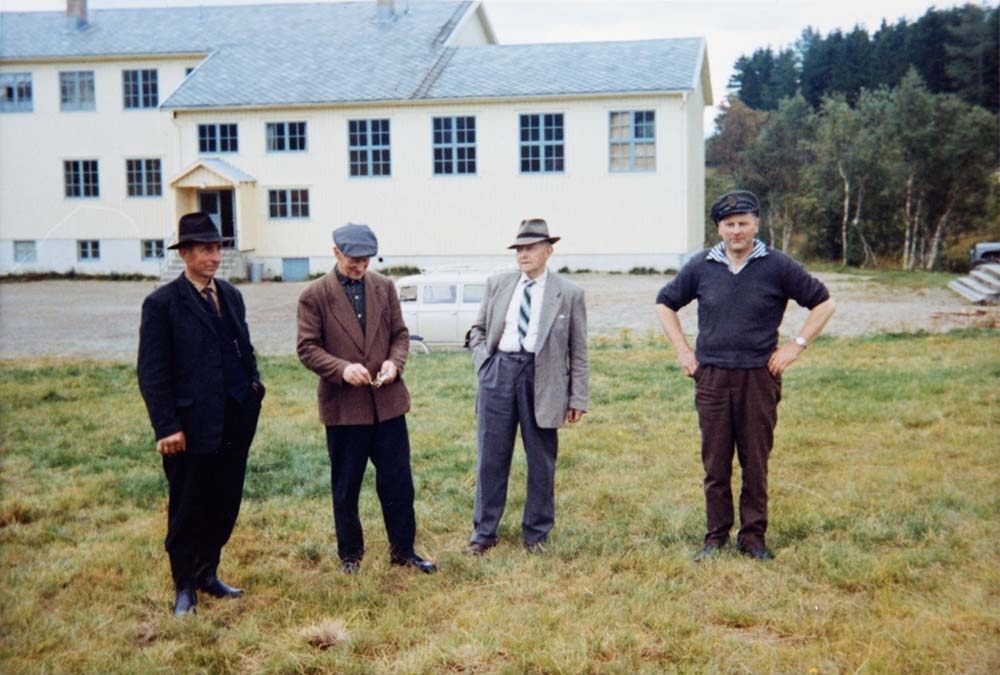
286, 136
143, 177
81, 178
153, 249
454, 140
368, 147
218, 138
140, 89
542, 143
15, 92
633, 140
25, 251
88, 249
76, 90
289, 203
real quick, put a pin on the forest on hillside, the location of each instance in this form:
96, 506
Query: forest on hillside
875, 150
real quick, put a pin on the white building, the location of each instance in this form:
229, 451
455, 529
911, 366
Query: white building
286, 121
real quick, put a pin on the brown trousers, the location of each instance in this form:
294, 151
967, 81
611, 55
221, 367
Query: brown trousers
737, 411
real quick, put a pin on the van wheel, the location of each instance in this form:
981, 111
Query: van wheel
419, 347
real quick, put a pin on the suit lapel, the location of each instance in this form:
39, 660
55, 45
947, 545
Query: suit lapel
189, 299
374, 302
550, 307
504, 292
343, 310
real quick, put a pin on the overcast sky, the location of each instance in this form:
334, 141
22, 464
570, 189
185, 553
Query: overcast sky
732, 28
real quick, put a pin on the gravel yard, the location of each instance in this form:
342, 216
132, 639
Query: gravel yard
100, 319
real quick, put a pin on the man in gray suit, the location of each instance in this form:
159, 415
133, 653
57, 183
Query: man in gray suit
529, 348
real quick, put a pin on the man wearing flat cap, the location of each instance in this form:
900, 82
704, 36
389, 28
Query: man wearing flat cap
351, 334
742, 287
529, 349
198, 377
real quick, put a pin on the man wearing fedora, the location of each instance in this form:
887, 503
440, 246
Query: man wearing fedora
529, 349
742, 287
198, 377
351, 334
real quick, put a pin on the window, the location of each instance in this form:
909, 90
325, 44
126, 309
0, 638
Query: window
76, 90
25, 252
140, 89
288, 203
542, 149
143, 177
15, 92
368, 145
88, 249
473, 293
633, 140
81, 178
439, 294
152, 249
218, 138
454, 145
286, 136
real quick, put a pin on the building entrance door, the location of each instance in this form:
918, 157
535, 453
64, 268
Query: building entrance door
218, 204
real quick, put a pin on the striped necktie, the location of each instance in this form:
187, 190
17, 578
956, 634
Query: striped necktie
524, 314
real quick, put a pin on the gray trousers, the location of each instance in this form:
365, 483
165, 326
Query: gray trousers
506, 400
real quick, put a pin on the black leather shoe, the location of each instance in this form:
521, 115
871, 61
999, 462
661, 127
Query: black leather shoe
186, 602
757, 553
219, 589
414, 561
710, 551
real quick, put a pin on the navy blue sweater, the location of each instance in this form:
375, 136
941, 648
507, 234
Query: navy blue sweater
739, 314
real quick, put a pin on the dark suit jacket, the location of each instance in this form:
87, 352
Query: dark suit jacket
330, 339
180, 362
562, 370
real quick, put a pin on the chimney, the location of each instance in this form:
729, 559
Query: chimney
385, 11
76, 15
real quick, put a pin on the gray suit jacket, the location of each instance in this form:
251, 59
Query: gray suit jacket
561, 367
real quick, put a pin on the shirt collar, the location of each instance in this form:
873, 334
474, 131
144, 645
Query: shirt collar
539, 280
201, 287
718, 252
347, 281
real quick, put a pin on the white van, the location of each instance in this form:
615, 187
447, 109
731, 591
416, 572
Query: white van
439, 307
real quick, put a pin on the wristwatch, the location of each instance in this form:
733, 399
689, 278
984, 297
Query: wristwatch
801, 341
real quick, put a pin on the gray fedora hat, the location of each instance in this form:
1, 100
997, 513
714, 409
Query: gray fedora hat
533, 231
196, 228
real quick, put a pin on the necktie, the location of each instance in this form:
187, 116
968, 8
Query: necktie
524, 314
210, 299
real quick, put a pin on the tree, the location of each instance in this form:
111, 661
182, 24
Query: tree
763, 80
735, 129
775, 169
973, 50
948, 153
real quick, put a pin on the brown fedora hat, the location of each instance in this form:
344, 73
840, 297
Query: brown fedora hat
531, 232
196, 228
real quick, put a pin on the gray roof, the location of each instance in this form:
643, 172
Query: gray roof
327, 53
571, 69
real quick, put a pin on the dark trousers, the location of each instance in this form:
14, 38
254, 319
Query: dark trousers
387, 445
205, 491
506, 400
737, 410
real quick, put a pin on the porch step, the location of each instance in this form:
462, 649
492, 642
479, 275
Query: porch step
232, 268
981, 286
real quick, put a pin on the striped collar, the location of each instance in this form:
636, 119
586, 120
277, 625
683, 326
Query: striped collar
718, 254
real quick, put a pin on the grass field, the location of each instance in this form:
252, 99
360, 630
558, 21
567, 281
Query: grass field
885, 522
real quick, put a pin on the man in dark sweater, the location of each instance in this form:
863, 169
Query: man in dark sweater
742, 287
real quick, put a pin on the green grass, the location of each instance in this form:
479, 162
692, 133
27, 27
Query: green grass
885, 520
